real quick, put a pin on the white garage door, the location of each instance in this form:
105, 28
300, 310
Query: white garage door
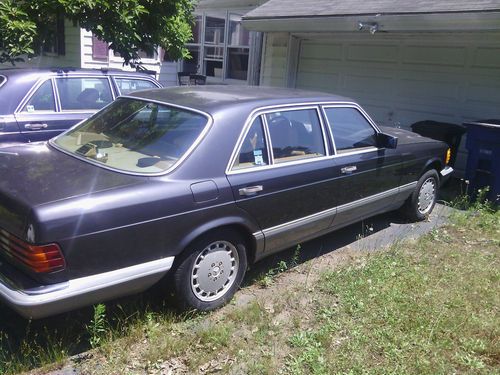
404, 78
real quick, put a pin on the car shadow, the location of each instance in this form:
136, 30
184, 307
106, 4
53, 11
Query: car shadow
70, 330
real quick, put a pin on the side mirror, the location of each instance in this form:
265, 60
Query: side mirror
387, 140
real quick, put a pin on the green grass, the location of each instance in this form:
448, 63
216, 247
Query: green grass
429, 306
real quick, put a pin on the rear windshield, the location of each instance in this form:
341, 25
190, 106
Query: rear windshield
135, 136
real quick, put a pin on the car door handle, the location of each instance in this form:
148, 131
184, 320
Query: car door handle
37, 126
349, 169
251, 190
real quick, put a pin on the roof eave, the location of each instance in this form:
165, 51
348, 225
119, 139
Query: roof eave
415, 22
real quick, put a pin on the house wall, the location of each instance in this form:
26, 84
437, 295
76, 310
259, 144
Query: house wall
71, 58
113, 62
274, 60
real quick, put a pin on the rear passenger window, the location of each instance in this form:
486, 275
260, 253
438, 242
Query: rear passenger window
295, 135
126, 85
253, 151
350, 129
42, 99
83, 93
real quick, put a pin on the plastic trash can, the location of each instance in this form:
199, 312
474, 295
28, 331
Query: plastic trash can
483, 163
442, 131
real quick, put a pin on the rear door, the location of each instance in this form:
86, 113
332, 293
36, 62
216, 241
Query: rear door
282, 175
57, 104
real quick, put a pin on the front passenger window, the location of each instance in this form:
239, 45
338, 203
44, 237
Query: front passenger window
350, 129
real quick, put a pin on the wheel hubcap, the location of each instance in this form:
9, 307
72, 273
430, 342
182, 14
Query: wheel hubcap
214, 271
426, 196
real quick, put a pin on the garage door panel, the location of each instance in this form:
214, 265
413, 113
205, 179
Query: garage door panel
425, 90
325, 81
319, 66
434, 55
322, 51
360, 83
487, 58
372, 53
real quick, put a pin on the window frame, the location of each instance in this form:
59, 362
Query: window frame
118, 91
361, 150
262, 112
58, 98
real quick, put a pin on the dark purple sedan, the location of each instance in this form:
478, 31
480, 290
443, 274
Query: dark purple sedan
197, 182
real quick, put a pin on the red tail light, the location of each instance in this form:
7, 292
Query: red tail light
39, 258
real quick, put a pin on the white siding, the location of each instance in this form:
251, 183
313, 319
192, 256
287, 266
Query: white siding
114, 62
71, 58
274, 62
404, 78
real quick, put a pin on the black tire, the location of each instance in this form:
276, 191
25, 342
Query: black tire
210, 272
421, 202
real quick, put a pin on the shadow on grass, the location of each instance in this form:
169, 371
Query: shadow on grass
26, 344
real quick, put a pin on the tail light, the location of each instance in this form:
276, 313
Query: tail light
447, 157
38, 258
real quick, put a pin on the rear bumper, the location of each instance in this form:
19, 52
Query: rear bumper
445, 174
47, 300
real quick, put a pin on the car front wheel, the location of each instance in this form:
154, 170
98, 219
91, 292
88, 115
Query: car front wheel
211, 271
421, 202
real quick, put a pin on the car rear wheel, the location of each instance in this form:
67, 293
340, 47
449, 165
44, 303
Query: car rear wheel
421, 202
211, 271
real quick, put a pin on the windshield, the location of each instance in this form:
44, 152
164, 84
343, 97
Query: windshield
135, 136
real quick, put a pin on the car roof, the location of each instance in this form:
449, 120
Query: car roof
213, 98
39, 72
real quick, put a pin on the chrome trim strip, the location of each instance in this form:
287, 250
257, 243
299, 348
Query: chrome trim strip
409, 186
446, 171
188, 152
77, 287
299, 222
342, 208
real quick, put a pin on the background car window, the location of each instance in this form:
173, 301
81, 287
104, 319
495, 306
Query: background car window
42, 99
253, 151
295, 135
83, 93
135, 136
350, 129
126, 85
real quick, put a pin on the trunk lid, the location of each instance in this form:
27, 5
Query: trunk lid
36, 174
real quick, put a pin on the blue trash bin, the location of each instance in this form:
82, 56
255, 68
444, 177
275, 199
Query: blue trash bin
483, 163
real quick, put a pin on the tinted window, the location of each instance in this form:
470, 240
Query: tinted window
350, 129
126, 85
135, 136
253, 151
295, 135
42, 99
83, 93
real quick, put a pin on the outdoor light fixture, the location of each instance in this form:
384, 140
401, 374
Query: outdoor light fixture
370, 26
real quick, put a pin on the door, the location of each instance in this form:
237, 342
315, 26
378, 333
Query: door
369, 175
282, 175
42, 116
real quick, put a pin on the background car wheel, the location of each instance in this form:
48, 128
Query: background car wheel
211, 271
421, 202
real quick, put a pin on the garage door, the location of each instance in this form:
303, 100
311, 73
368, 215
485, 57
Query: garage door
404, 78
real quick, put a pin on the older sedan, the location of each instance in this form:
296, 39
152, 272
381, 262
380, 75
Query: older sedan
197, 182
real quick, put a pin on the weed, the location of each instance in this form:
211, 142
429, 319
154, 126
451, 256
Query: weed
98, 326
267, 279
